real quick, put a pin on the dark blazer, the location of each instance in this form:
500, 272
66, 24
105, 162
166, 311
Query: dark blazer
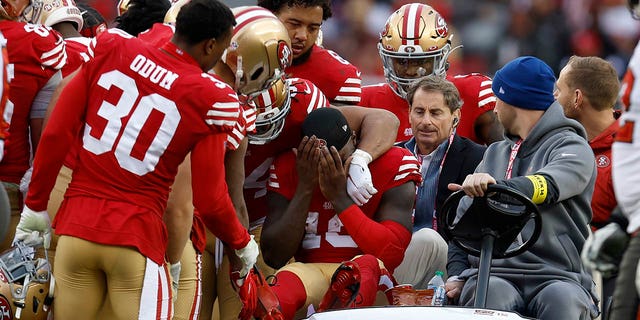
462, 159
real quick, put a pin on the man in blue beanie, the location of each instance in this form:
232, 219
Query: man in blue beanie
545, 156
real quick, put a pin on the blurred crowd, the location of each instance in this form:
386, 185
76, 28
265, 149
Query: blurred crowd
491, 32
494, 32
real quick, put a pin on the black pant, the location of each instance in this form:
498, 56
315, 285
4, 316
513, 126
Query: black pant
625, 296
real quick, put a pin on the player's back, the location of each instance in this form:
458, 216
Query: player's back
338, 79
35, 53
146, 109
305, 97
158, 34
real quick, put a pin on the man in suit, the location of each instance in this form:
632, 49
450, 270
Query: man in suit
445, 157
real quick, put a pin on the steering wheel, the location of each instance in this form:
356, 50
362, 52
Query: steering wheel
502, 213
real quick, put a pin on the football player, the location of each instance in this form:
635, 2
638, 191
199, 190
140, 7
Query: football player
65, 18
4, 94
312, 218
625, 153
282, 104
416, 42
115, 202
336, 77
36, 54
5, 207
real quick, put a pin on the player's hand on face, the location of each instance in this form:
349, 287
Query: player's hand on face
307, 160
475, 185
333, 177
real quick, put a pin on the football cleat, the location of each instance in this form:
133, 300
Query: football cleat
344, 288
258, 300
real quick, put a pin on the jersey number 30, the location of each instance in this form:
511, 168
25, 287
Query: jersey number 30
122, 140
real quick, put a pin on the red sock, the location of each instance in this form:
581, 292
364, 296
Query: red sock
290, 292
370, 277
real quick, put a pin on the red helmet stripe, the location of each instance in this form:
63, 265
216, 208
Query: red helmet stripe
405, 21
411, 23
417, 17
251, 14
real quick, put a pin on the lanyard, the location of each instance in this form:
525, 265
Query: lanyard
512, 158
437, 181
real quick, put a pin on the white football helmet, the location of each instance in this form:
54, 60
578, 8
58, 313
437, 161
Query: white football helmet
258, 54
26, 284
50, 12
415, 43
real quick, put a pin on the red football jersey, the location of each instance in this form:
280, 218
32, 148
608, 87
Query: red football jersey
158, 34
36, 53
604, 199
326, 240
338, 79
140, 118
381, 96
305, 97
475, 93
477, 98
4, 94
77, 54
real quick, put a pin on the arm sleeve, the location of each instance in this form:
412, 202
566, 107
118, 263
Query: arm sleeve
538, 187
391, 238
457, 260
210, 192
43, 97
56, 141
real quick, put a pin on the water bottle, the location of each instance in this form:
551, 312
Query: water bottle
439, 293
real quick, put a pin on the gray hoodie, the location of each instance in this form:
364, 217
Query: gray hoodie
557, 148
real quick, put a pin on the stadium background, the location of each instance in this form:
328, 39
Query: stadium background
492, 31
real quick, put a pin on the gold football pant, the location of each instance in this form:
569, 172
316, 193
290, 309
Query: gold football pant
87, 274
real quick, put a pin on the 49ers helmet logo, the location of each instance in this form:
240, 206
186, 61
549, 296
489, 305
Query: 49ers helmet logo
5, 309
441, 27
284, 54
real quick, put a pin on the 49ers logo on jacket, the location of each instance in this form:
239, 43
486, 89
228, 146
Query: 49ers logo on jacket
602, 161
5, 309
284, 54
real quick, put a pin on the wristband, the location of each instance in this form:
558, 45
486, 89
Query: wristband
362, 154
540, 188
